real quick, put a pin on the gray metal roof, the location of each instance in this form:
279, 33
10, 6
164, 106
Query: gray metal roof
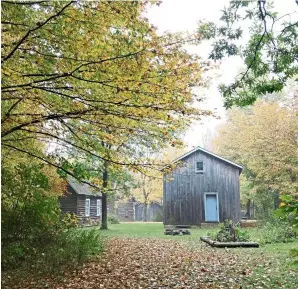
209, 153
82, 189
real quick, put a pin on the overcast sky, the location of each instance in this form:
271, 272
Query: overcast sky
183, 15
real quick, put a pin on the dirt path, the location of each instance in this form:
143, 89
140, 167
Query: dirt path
155, 263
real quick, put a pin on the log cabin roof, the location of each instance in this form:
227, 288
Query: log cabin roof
82, 189
207, 152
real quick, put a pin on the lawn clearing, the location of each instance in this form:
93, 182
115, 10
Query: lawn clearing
151, 230
140, 256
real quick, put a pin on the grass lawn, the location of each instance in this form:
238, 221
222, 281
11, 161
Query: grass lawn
156, 230
150, 230
139, 255
269, 263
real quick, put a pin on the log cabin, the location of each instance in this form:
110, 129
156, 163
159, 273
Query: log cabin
81, 200
201, 188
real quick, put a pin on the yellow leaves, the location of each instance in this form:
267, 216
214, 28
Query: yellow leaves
57, 185
78, 105
96, 181
263, 139
100, 68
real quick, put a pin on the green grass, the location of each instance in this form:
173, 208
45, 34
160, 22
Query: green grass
156, 230
150, 230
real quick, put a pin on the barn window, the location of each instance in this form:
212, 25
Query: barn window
87, 207
199, 167
98, 207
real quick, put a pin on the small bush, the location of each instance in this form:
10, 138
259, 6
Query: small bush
70, 249
230, 232
66, 249
112, 219
35, 237
276, 232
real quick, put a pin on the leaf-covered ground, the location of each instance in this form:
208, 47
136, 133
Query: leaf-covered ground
158, 263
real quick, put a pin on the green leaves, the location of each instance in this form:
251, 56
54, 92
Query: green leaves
96, 74
269, 55
288, 210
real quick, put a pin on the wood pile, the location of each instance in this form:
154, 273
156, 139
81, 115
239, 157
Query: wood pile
213, 243
179, 232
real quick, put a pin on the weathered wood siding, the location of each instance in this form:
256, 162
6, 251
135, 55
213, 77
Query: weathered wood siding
184, 190
81, 206
68, 202
125, 211
154, 211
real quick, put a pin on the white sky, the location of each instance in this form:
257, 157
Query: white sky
183, 15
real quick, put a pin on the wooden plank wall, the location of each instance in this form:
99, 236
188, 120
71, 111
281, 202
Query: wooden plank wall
68, 202
125, 211
184, 194
81, 206
153, 211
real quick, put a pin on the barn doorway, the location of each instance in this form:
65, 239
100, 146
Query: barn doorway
211, 207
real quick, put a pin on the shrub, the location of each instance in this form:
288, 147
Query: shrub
66, 249
69, 221
230, 232
35, 236
69, 249
112, 219
28, 226
288, 212
276, 232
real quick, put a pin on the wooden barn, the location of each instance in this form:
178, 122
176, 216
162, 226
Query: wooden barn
202, 188
80, 200
154, 212
125, 210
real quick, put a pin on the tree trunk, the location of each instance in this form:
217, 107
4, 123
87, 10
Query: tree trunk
145, 211
248, 208
104, 203
145, 195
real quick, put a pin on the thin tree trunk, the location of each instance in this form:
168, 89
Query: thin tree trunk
248, 208
104, 203
145, 211
145, 195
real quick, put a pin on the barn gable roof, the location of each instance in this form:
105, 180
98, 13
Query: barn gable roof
81, 189
209, 153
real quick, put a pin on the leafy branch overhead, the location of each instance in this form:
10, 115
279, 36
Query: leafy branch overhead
269, 53
78, 74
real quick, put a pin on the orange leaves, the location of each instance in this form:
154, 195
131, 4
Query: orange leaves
156, 263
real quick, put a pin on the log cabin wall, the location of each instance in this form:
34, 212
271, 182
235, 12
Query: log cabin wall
81, 206
184, 190
68, 202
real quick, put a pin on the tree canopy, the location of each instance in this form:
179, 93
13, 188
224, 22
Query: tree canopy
82, 74
269, 52
264, 140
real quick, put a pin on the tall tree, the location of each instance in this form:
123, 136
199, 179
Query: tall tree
148, 189
264, 140
74, 69
270, 53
